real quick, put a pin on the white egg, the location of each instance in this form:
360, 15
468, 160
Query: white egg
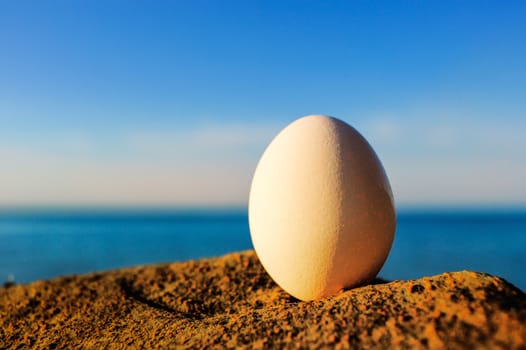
321, 210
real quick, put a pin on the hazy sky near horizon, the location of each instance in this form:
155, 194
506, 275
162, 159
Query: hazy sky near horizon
172, 103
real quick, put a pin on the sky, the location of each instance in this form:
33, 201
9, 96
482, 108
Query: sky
171, 103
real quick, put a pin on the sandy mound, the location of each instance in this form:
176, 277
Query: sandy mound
232, 302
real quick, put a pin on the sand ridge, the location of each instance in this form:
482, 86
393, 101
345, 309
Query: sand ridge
231, 302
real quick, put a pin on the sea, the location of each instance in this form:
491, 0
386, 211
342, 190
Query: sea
43, 244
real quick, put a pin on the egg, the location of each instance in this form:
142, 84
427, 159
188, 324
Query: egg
321, 210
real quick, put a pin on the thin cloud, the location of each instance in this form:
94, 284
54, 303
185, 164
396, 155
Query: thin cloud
200, 166
439, 162
452, 162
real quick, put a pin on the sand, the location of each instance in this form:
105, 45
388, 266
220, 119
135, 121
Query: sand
231, 302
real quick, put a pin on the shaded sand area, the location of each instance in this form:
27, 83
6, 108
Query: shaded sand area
231, 302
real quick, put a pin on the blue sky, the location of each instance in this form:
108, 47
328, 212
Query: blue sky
172, 103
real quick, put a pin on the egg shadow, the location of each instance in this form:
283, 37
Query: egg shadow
377, 280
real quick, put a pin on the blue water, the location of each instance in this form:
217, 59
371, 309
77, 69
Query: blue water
44, 244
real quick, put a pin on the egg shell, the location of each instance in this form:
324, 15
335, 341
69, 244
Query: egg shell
321, 210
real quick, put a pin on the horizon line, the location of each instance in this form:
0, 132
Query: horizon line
401, 208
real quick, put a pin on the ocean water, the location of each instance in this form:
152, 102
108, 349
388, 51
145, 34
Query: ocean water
40, 244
